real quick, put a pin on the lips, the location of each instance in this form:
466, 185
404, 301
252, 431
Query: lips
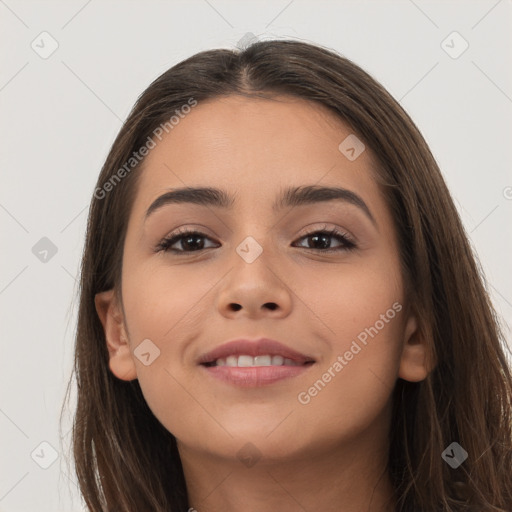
259, 347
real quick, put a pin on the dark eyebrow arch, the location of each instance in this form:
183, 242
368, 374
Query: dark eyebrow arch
289, 197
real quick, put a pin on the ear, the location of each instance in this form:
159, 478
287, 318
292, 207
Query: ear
121, 361
414, 360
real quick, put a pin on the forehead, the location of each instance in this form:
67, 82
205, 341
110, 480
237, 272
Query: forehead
253, 147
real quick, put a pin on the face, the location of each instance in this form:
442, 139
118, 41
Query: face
261, 268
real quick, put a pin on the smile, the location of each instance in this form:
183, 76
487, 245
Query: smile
249, 372
246, 361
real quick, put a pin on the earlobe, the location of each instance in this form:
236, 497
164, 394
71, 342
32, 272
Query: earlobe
414, 360
121, 362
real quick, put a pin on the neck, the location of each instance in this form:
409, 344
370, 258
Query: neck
347, 478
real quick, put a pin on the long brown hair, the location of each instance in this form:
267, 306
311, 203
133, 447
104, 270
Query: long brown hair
126, 460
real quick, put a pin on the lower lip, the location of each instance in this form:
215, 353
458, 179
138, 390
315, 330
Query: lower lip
255, 376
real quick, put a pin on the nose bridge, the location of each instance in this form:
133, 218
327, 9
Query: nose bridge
254, 284
252, 233
254, 256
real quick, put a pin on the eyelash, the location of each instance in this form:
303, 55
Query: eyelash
167, 242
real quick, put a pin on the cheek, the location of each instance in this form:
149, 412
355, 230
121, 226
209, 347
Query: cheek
162, 300
354, 383
344, 300
165, 305
361, 310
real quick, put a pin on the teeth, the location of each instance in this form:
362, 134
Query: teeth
248, 361
245, 361
277, 360
261, 361
232, 361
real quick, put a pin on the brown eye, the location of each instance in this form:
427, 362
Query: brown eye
321, 240
191, 241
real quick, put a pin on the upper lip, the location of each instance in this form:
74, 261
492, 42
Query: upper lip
259, 347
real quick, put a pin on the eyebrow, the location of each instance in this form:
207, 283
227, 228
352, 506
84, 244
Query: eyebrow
289, 197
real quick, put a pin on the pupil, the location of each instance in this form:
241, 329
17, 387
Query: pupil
187, 244
323, 237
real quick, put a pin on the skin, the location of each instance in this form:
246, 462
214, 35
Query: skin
329, 454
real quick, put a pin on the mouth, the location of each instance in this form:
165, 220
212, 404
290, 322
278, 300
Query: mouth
254, 363
247, 361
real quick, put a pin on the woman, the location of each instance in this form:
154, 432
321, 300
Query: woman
279, 305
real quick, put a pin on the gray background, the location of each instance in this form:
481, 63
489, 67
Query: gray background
60, 114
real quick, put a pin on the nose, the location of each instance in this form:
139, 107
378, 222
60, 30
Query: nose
255, 290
